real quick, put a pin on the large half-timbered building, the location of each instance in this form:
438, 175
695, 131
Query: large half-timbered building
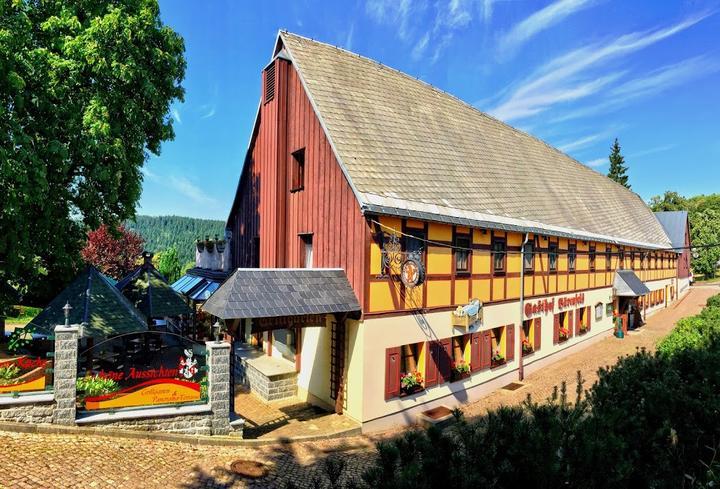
475, 252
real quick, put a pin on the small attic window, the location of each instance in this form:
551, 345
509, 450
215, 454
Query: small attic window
297, 172
270, 83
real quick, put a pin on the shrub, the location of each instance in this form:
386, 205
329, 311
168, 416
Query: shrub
95, 386
713, 301
695, 332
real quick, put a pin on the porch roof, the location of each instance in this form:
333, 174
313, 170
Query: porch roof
277, 292
627, 284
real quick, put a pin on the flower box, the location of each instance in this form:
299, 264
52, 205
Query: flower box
408, 391
459, 375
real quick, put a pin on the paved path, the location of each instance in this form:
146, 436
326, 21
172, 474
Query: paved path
69, 461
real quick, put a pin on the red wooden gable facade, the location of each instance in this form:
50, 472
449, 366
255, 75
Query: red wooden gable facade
293, 192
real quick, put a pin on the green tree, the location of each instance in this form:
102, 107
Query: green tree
704, 233
670, 201
85, 92
168, 264
618, 168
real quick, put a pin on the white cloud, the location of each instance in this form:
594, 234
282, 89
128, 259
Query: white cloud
580, 143
349, 37
393, 12
538, 22
420, 47
650, 151
210, 112
190, 190
597, 162
573, 71
148, 174
667, 77
176, 116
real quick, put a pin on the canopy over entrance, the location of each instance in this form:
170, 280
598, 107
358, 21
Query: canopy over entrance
281, 292
96, 304
627, 284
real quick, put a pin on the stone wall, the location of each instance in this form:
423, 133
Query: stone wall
58, 406
28, 413
271, 388
192, 424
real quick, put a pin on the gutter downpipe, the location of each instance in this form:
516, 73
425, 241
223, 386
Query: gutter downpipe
521, 367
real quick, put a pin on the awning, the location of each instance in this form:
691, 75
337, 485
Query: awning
279, 292
627, 284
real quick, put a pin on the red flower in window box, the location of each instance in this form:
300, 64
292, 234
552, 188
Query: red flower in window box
563, 334
583, 329
497, 359
411, 382
460, 370
527, 347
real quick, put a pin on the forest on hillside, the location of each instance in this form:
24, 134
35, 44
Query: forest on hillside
163, 232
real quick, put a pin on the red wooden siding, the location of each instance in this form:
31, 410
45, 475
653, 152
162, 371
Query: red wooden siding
325, 208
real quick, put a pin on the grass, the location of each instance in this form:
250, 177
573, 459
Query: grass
21, 315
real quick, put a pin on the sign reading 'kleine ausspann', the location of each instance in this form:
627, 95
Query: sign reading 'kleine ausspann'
545, 306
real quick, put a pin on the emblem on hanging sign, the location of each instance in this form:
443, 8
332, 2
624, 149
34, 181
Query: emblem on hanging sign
412, 272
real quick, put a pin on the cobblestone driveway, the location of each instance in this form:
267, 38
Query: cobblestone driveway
34, 460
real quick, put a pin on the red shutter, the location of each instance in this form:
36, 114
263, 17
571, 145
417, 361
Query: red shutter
445, 359
571, 323
556, 329
578, 321
510, 342
431, 363
589, 312
475, 361
538, 334
392, 372
485, 349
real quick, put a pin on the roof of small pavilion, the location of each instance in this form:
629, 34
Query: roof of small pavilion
96, 304
277, 292
148, 290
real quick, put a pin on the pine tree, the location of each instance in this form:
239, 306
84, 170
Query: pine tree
617, 166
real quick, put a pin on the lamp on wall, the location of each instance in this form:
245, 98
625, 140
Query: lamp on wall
66, 310
217, 327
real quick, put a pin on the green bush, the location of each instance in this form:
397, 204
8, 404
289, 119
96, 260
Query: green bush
693, 332
714, 301
95, 386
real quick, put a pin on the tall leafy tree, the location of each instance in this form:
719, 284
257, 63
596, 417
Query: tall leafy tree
705, 236
85, 92
670, 201
168, 264
618, 168
113, 252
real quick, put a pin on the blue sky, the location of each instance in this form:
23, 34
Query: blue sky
575, 73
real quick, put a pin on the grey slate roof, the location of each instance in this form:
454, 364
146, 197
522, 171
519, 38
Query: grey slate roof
627, 284
410, 149
675, 224
96, 303
275, 292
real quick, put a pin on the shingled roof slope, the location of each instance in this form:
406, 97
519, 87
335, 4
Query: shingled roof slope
410, 149
276, 292
96, 304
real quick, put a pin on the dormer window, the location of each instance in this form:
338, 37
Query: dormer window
297, 173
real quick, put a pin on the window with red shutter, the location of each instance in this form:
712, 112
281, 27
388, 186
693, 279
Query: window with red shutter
570, 323
538, 334
510, 342
588, 315
486, 349
431, 363
475, 361
446, 358
392, 372
556, 329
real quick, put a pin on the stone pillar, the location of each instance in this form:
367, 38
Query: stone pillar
65, 369
218, 361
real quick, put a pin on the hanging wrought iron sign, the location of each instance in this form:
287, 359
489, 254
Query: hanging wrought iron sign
412, 272
409, 265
